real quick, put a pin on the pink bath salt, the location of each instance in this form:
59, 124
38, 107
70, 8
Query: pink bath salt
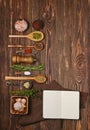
21, 25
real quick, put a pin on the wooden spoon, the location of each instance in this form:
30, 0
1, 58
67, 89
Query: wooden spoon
38, 78
36, 46
34, 36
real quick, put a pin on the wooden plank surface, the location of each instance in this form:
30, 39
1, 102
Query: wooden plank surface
66, 54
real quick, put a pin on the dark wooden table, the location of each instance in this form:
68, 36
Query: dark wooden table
66, 53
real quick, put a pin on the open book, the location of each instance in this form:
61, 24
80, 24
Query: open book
61, 104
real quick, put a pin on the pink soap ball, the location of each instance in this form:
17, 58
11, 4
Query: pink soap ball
21, 25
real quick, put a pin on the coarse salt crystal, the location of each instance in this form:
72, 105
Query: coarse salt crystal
27, 73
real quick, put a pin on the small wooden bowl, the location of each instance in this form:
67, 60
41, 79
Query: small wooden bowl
13, 100
30, 84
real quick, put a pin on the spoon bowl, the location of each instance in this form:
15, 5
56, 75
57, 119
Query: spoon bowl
40, 79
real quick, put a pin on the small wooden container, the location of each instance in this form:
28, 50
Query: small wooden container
13, 101
23, 59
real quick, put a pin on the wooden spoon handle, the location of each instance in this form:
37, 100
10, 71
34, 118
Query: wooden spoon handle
14, 46
18, 78
17, 35
18, 46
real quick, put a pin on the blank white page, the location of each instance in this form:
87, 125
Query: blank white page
61, 104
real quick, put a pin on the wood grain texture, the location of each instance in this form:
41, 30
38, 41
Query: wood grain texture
88, 117
66, 54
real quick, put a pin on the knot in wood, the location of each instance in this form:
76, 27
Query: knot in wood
80, 62
80, 68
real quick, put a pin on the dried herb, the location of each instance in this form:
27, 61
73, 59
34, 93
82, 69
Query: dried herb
27, 68
37, 36
30, 93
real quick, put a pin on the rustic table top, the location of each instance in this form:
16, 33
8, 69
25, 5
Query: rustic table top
65, 55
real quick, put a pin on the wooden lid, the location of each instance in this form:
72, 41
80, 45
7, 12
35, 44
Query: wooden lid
15, 59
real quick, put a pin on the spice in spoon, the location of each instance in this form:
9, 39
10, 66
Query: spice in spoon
37, 36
